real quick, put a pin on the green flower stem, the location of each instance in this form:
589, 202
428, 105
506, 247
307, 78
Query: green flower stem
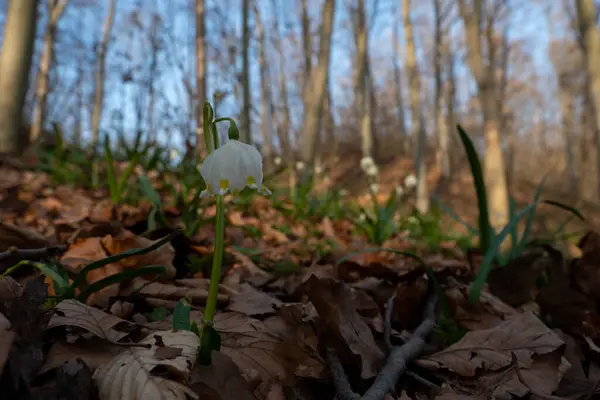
215, 274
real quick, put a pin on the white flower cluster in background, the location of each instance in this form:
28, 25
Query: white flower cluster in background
367, 164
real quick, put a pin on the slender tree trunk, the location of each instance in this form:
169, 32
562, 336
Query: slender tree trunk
55, 10
284, 136
398, 86
245, 132
265, 95
442, 154
362, 86
313, 109
586, 16
495, 175
15, 63
418, 129
307, 47
99, 92
200, 75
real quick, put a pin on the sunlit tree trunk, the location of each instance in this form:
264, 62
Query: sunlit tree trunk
442, 154
398, 84
245, 132
495, 175
313, 107
284, 136
99, 89
55, 10
15, 63
200, 73
265, 95
418, 129
586, 16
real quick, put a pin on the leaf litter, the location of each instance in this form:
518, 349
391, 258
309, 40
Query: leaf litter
293, 321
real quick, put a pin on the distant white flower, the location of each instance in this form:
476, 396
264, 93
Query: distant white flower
410, 181
299, 165
174, 155
277, 160
374, 188
399, 190
318, 170
231, 168
362, 217
367, 164
343, 192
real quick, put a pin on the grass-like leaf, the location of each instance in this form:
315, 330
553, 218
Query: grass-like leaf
485, 229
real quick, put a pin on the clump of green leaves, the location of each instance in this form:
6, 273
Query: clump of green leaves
491, 242
379, 223
117, 184
63, 164
60, 275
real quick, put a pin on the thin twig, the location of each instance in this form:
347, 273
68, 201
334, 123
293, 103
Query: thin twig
14, 255
396, 363
387, 326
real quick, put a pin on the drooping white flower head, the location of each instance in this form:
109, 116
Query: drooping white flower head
374, 188
299, 165
277, 160
399, 190
367, 164
231, 168
410, 181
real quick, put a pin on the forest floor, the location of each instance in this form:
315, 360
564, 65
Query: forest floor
310, 305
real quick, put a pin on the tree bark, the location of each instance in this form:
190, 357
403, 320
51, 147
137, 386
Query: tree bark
15, 63
55, 10
99, 92
245, 132
313, 107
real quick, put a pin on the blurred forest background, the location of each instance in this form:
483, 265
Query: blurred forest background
323, 82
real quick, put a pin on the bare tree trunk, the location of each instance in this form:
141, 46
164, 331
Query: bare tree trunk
284, 136
200, 74
265, 95
495, 175
15, 63
450, 101
313, 109
398, 86
99, 93
155, 48
55, 10
245, 132
586, 16
442, 154
307, 47
362, 86
419, 132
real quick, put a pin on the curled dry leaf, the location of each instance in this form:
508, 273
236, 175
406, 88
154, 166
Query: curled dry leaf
7, 336
101, 324
253, 302
221, 380
175, 291
354, 340
490, 349
136, 372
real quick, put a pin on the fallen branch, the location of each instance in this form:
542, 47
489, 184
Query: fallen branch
13, 255
396, 363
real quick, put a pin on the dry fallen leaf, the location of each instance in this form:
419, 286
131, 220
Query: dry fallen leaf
136, 372
101, 324
338, 317
7, 336
253, 302
490, 349
221, 380
168, 291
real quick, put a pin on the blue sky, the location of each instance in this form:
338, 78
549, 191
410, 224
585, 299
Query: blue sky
529, 26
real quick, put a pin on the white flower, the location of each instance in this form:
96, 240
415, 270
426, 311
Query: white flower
374, 188
343, 192
231, 168
410, 181
362, 217
399, 190
299, 165
174, 155
367, 164
277, 160
318, 169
